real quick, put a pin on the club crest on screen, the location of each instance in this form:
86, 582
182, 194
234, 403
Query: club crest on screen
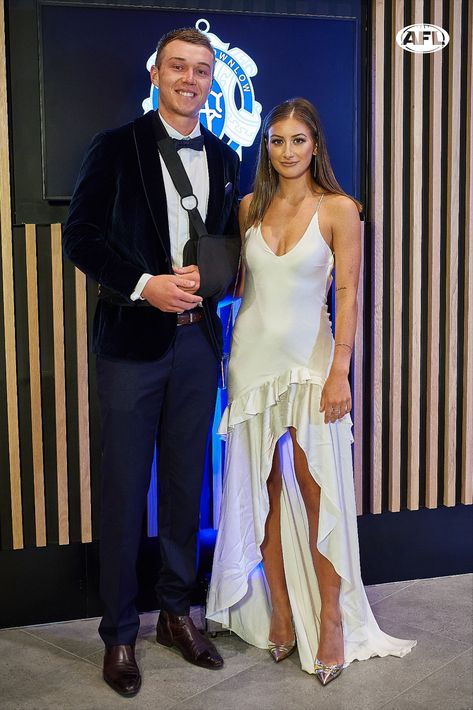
231, 111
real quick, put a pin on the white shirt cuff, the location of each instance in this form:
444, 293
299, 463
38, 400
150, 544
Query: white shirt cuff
142, 281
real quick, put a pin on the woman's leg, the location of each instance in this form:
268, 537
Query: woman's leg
330, 649
281, 630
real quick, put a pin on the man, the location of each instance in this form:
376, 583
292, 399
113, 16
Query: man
154, 336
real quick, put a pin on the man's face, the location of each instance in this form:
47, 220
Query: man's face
184, 78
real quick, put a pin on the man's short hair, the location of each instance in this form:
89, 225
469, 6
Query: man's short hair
185, 34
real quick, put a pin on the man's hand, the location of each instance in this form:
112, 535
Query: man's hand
171, 294
189, 272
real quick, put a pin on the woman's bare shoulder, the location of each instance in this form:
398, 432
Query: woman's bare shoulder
340, 203
243, 212
339, 208
246, 200
244, 207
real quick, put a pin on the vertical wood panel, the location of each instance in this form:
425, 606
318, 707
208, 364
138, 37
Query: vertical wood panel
83, 406
35, 384
59, 384
415, 269
9, 302
435, 228
377, 177
451, 331
396, 305
358, 361
467, 438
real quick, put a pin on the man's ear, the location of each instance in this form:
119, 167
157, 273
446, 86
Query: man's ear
154, 74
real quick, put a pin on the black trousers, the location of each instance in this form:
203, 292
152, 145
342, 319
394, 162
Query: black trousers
171, 400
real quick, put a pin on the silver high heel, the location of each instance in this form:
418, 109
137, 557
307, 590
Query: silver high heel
326, 673
280, 651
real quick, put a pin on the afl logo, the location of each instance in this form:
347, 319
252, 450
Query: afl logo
231, 111
422, 38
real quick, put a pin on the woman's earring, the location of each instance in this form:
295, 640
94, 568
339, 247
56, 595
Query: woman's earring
315, 164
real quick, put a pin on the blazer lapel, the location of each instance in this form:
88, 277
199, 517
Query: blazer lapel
216, 182
152, 177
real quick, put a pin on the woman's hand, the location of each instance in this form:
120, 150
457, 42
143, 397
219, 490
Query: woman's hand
335, 400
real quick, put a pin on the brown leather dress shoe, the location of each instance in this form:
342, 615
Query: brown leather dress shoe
179, 631
120, 670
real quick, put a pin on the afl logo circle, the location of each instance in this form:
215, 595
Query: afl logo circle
231, 111
422, 38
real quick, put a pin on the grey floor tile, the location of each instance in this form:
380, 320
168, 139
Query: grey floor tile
443, 606
40, 668
26, 659
451, 687
365, 685
376, 592
79, 637
265, 686
81, 687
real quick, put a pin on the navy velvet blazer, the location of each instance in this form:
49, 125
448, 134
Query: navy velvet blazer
117, 230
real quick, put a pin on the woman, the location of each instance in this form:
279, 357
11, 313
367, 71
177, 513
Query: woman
288, 498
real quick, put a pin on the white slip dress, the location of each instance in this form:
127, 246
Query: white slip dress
282, 348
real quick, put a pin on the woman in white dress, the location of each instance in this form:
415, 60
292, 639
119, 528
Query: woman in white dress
286, 565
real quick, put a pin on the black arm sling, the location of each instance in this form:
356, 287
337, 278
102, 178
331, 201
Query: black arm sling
216, 255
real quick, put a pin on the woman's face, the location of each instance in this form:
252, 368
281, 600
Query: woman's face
290, 147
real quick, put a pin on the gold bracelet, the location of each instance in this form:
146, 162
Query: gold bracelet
344, 345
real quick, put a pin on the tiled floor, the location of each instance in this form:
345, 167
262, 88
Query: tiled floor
59, 665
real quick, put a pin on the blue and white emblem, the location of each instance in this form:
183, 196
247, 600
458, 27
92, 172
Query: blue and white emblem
231, 111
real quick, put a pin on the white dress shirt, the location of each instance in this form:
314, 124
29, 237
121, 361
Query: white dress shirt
195, 164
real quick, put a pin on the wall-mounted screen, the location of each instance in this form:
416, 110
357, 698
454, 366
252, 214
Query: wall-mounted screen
94, 74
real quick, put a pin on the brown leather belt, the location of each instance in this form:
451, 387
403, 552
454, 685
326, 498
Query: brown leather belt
189, 317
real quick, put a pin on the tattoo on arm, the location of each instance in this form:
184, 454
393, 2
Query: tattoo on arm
341, 288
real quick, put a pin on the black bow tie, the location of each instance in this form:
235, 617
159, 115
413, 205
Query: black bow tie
196, 143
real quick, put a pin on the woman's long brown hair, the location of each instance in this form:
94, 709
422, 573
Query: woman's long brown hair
266, 178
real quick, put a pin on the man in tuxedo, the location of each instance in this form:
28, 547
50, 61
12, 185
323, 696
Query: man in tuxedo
157, 344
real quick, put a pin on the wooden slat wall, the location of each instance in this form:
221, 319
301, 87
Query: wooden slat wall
396, 300
9, 304
35, 384
418, 249
42, 446
452, 235
59, 384
358, 386
467, 453
433, 279
83, 406
421, 224
415, 272
377, 291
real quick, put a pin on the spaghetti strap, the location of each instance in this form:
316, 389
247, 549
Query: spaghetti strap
319, 202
